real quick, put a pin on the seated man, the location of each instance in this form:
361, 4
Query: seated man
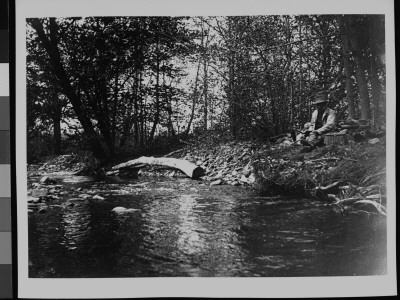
322, 121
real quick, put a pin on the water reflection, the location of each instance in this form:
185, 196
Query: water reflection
76, 227
181, 228
195, 232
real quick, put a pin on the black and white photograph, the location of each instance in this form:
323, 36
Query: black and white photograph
205, 144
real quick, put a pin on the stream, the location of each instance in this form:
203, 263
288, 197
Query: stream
181, 227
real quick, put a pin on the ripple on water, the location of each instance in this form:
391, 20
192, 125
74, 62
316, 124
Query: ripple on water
183, 228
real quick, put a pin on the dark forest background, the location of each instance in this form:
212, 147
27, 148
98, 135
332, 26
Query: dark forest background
135, 84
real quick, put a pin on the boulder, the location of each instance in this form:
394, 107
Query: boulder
251, 178
47, 180
120, 209
33, 199
373, 141
39, 192
243, 179
219, 175
42, 210
216, 182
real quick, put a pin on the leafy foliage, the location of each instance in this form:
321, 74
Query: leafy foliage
126, 82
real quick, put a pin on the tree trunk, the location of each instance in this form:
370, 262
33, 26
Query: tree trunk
157, 104
233, 114
347, 68
185, 166
375, 84
194, 97
360, 74
100, 150
205, 93
57, 134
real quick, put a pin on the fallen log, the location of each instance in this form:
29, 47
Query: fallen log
185, 166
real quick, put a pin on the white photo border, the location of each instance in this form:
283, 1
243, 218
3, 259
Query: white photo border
200, 287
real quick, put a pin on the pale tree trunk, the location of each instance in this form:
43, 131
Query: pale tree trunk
185, 166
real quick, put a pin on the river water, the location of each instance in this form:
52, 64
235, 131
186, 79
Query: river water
181, 227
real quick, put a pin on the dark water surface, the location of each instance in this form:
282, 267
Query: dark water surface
185, 228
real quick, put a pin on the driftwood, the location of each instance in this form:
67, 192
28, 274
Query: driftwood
185, 166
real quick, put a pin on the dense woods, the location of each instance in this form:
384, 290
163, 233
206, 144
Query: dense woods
130, 84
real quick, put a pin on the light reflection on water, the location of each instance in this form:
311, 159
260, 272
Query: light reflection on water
183, 228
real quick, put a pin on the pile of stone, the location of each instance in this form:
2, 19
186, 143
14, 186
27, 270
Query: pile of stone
230, 163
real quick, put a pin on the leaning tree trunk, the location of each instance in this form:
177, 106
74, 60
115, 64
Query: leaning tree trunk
99, 149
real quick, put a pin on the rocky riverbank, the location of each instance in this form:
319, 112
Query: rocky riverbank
339, 174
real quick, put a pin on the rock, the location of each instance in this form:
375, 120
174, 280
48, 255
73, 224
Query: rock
235, 183
120, 209
246, 172
39, 192
85, 196
286, 143
234, 173
112, 173
251, 178
243, 179
33, 199
373, 141
97, 197
47, 180
172, 174
216, 182
245, 158
219, 175
55, 205
199, 163
79, 189
76, 199
42, 210
30, 211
